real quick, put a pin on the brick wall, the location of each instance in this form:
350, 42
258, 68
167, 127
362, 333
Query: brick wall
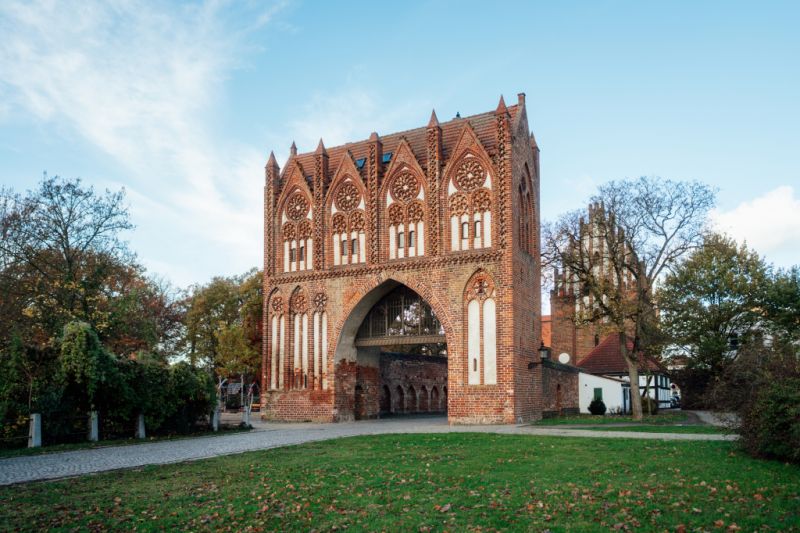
559, 389
352, 386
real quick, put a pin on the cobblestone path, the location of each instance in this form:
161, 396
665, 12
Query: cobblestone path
267, 435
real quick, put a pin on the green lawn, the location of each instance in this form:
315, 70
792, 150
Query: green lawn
664, 428
453, 482
667, 418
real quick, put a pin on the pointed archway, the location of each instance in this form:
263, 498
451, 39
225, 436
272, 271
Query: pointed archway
392, 348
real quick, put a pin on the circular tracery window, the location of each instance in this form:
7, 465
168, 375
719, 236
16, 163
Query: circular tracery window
347, 197
405, 187
470, 175
297, 206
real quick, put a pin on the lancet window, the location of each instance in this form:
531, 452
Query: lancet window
470, 203
277, 344
297, 232
525, 220
405, 214
481, 331
348, 224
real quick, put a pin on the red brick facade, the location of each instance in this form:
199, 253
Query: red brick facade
560, 386
450, 211
572, 329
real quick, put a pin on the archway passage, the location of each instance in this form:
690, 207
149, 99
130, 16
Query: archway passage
401, 358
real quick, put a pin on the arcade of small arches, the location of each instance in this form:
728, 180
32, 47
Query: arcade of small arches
406, 399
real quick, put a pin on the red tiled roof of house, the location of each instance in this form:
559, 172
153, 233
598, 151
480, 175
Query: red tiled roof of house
484, 124
606, 358
547, 330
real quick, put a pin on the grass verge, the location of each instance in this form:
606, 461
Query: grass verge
454, 482
697, 429
666, 418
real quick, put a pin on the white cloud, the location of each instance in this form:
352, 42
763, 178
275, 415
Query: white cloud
137, 80
770, 224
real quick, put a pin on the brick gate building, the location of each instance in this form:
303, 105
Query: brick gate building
402, 274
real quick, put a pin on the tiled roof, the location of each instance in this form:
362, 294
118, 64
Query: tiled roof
606, 358
547, 330
484, 124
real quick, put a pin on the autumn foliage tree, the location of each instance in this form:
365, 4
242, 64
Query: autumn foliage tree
63, 261
223, 324
615, 259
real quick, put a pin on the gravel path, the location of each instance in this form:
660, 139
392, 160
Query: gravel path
267, 435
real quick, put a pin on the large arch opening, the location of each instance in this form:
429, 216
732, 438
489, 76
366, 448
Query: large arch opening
400, 352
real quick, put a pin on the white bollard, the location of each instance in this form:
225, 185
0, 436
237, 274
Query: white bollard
246, 415
215, 419
35, 431
94, 426
140, 434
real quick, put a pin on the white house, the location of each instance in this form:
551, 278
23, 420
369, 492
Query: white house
611, 391
606, 361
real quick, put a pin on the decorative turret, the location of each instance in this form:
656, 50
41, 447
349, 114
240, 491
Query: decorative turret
434, 121
501, 106
272, 166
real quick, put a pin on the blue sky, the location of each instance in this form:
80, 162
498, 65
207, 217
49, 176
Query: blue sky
181, 103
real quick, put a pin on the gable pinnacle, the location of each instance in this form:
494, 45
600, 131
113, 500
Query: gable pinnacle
501, 106
272, 161
321, 148
434, 121
373, 136
293, 149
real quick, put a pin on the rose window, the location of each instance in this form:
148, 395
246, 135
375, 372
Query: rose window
347, 197
320, 299
297, 207
470, 175
405, 187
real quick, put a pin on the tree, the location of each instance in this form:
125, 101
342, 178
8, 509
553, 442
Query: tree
710, 302
642, 228
780, 305
223, 324
59, 242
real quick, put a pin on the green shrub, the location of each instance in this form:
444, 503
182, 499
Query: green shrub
771, 426
193, 394
597, 407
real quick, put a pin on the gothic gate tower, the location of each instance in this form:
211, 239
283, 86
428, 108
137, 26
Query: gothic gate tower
402, 275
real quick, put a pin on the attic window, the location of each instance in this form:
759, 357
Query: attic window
360, 162
386, 157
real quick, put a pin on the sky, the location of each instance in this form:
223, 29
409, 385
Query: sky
181, 103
